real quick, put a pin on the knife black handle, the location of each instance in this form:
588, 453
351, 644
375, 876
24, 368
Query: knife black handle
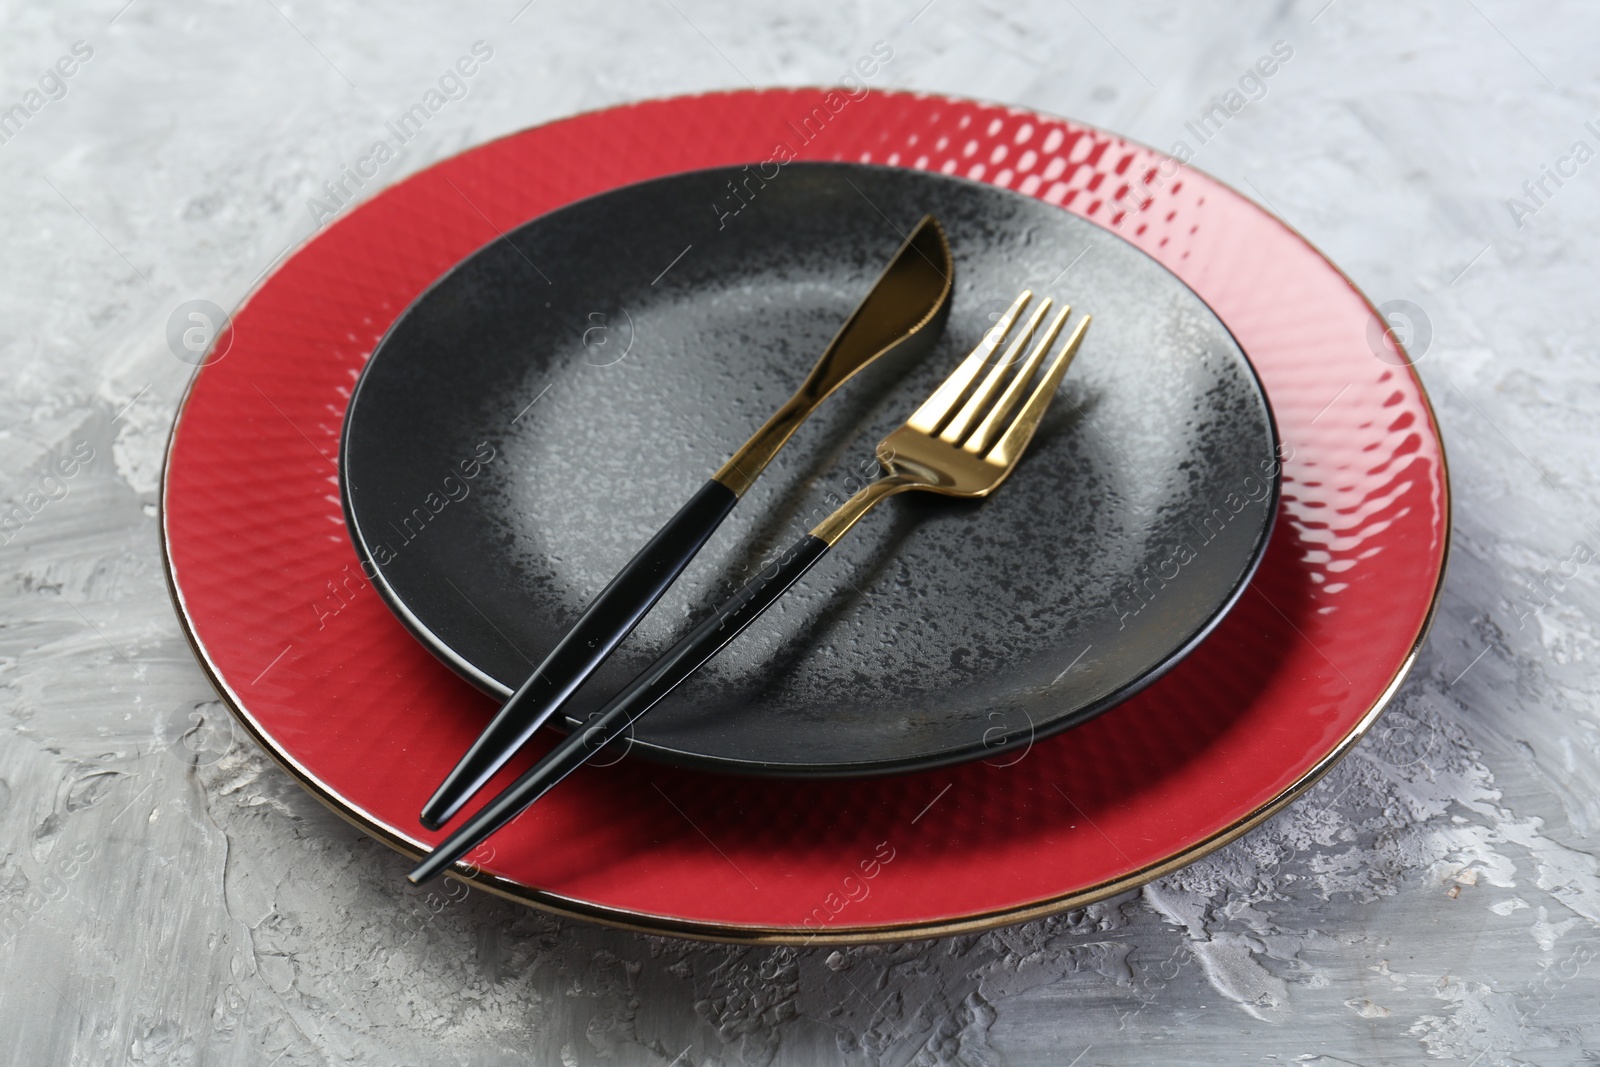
642, 694
604, 623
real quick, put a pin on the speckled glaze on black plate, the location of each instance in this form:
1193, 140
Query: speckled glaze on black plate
537, 414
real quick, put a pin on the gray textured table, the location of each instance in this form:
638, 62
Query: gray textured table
1436, 898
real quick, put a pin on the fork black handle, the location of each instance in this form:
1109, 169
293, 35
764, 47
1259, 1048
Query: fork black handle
605, 622
642, 694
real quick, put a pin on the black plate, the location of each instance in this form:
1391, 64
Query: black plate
534, 416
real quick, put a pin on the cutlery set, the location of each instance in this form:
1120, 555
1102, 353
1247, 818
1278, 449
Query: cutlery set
963, 441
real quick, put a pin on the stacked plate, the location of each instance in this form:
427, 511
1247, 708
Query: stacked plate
1198, 590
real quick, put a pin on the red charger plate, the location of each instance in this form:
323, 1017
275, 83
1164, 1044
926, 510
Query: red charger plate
306, 655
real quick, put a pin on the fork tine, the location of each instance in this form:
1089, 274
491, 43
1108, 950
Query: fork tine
979, 400
1020, 432
926, 418
994, 422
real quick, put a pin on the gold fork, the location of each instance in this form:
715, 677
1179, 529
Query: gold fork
963, 449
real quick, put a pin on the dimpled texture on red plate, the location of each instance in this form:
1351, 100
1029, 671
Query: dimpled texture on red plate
322, 673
